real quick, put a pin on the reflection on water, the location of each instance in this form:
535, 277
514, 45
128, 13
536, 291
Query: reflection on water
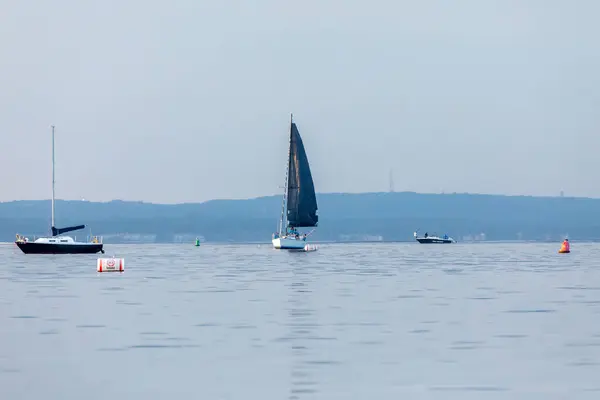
302, 325
385, 321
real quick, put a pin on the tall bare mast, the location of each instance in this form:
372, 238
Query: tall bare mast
53, 176
287, 172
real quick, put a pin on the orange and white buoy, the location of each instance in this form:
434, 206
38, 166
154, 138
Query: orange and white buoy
310, 247
111, 265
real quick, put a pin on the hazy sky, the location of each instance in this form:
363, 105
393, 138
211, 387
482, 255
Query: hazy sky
189, 100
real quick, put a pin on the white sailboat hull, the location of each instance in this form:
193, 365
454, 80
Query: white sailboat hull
289, 243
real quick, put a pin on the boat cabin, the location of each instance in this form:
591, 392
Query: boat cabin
57, 240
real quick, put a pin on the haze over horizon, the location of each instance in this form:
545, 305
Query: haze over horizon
189, 101
281, 194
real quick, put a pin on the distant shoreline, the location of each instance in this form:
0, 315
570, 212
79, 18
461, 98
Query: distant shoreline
387, 217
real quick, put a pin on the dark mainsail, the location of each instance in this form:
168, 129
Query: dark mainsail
301, 198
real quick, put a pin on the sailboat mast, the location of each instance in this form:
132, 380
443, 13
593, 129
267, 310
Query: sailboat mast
287, 172
52, 175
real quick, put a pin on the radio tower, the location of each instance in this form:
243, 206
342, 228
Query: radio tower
391, 181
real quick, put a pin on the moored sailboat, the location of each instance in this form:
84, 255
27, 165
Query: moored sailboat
57, 243
299, 205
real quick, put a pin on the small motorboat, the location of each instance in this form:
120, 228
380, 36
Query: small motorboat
429, 239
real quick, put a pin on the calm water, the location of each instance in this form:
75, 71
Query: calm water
493, 321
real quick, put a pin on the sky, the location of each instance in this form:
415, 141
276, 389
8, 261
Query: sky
190, 100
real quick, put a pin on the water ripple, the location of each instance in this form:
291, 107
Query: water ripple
387, 321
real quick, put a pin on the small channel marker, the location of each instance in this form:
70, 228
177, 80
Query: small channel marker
565, 247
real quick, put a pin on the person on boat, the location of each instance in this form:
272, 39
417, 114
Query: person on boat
304, 237
445, 236
426, 234
565, 246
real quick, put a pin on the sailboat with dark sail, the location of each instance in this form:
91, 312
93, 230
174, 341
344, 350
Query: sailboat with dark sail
299, 206
57, 243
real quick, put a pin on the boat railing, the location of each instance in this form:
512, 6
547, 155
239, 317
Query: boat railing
95, 239
24, 238
33, 238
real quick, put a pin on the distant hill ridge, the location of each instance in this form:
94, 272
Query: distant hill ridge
343, 216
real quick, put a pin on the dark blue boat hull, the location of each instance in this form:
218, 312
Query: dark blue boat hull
58, 248
433, 241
